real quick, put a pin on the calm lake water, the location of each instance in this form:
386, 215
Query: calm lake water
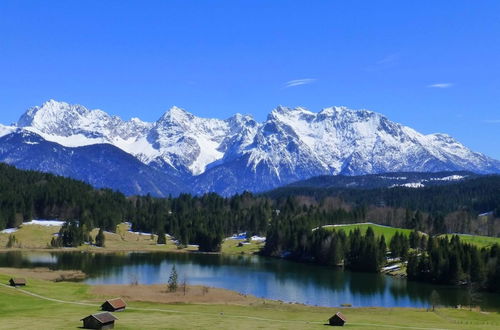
262, 277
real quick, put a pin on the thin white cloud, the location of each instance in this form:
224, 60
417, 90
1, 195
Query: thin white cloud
298, 82
440, 85
389, 59
492, 121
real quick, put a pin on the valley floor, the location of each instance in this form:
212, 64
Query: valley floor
45, 304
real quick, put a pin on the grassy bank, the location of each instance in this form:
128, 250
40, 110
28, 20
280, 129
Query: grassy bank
388, 232
18, 309
379, 230
480, 241
36, 237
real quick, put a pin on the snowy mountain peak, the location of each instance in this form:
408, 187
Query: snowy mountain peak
346, 114
282, 113
443, 137
55, 117
176, 114
282, 110
240, 120
240, 153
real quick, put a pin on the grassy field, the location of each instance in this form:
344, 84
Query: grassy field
31, 236
230, 246
20, 310
388, 232
39, 237
480, 241
379, 230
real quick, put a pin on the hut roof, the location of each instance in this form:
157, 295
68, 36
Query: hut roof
18, 280
339, 315
116, 303
104, 317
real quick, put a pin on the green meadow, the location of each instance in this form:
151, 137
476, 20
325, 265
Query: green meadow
379, 230
480, 241
61, 305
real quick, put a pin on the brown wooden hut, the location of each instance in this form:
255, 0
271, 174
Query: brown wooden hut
17, 281
100, 321
114, 305
337, 320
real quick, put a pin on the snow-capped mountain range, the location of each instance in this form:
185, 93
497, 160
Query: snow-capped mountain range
227, 156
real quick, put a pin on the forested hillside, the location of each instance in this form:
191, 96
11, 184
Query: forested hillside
205, 220
26, 195
476, 194
286, 220
454, 207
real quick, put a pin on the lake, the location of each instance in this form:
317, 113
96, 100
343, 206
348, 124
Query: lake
263, 277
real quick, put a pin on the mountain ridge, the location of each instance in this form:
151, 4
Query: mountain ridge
239, 153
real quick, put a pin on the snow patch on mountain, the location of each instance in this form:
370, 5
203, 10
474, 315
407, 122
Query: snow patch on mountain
409, 185
239, 153
454, 177
4, 130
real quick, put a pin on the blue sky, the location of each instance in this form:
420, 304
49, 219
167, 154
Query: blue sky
431, 65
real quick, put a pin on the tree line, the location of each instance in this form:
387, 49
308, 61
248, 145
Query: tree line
450, 261
205, 220
286, 220
451, 207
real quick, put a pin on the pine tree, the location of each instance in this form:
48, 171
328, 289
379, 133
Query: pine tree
55, 242
161, 237
172, 280
12, 241
412, 267
100, 238
414, 239
382, 247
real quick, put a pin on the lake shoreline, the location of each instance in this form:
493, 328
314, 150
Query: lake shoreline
248, 275
159, 293
211, 310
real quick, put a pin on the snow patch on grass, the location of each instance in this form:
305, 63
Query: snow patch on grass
258, 238
45, 222
8, 231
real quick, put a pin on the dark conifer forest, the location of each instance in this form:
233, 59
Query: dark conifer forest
287, 217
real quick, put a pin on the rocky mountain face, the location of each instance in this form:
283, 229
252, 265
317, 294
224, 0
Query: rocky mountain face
101, 165
198, 155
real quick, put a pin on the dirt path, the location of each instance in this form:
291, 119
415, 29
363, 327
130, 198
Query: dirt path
47, 298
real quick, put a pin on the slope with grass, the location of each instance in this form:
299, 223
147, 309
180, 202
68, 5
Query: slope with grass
479, 241
379, 230
388, 232
35, 237
48, 305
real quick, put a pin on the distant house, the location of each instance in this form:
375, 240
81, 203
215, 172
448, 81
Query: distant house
100, 321
337, 320
114, 305
17, 282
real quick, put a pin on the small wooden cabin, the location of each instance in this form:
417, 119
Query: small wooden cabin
114, 305
17, 281
99, 321
337, 320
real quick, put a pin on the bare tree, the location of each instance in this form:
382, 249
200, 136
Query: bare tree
134, 281
204, 290
184, 284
